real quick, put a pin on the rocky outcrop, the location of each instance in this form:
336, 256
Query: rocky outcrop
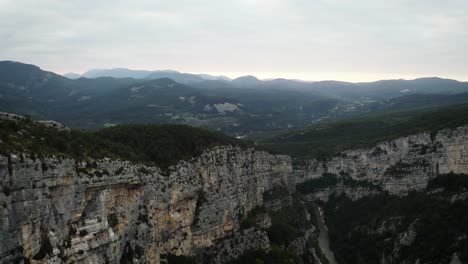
47, 123
60, 210
400, 165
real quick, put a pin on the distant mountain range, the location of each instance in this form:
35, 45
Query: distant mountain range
245, 106
378, 89
144, 74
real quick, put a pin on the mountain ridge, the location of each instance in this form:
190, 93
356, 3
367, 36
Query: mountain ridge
145, 74
244, 107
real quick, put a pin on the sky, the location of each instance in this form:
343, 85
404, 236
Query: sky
348, 40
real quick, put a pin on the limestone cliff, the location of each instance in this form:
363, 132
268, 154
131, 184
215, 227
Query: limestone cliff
384, 204
400, 165
216, 207
109, 211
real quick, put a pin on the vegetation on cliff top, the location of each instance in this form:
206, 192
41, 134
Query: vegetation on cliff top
326, 140
162, 145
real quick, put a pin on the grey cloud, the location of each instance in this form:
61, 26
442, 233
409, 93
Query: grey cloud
367, 36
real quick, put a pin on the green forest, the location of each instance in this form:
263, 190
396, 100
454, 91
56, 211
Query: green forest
162, 145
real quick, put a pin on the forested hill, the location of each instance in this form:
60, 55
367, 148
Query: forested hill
162, 145
326, 140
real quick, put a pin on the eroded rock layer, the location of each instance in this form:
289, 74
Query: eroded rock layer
105, 211
398, 166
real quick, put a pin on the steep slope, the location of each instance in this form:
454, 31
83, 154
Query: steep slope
398, 201
59, 209
28, 80
64, 210
26, 88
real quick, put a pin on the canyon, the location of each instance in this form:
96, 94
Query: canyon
64, 210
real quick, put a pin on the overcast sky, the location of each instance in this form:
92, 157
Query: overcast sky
306, 39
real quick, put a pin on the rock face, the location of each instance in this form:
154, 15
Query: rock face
103, 211
56, 210
355, 186
400, 165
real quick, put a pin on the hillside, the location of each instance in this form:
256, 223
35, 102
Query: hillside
162, 145
326, 140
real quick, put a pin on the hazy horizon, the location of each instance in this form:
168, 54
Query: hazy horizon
307, 40
353, 77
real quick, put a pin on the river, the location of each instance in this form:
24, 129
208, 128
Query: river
323, 240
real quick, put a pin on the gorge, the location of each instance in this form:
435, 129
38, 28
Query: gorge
227, 204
